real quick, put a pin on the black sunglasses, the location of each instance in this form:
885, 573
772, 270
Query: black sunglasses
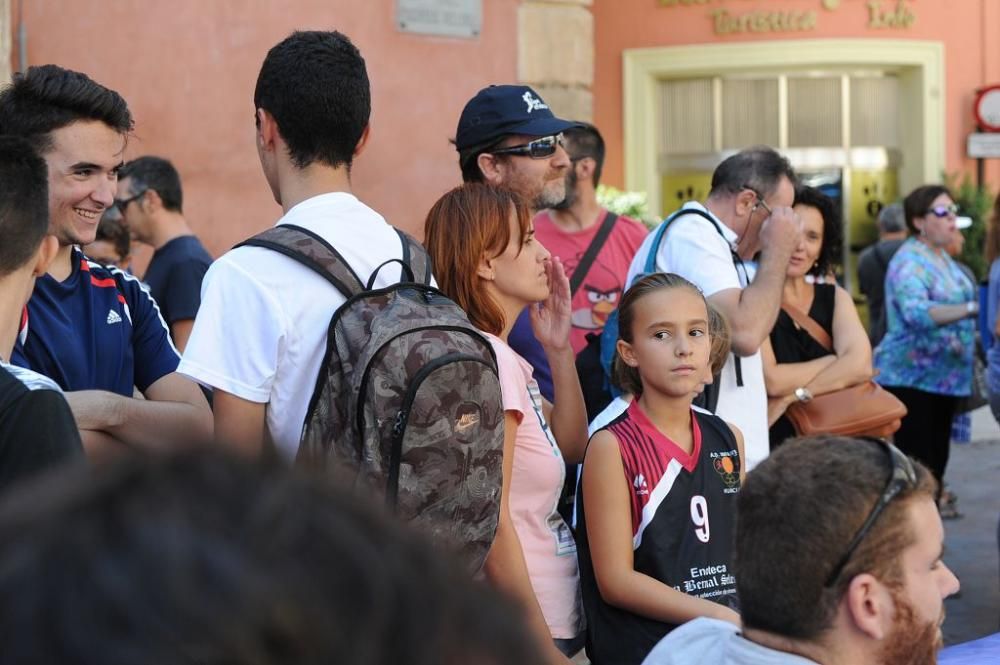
121, 204
943, 211
537, 149
903, 476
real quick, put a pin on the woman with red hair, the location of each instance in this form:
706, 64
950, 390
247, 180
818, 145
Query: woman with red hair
486, 259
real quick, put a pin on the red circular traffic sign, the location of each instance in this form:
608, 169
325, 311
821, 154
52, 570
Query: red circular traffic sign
987, 108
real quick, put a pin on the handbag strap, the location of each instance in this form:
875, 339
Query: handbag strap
592, 250
809, 324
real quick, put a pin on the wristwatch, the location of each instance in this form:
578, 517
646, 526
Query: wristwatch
972, 307
803, 394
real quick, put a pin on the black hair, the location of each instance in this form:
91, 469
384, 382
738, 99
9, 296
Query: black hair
315, 85
468, 159
157, 174
918, 202
24, 202
830, 251
760, 168
112, 229
586, 141
47, 97
200, 557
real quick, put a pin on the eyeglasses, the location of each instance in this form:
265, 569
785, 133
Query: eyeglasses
943, 211
537, 149
760, 200
121, 204
903, 476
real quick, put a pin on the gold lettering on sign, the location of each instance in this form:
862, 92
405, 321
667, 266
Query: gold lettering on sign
685, 3
726, 23
881, 16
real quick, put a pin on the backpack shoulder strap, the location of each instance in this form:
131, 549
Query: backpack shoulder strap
415, 256
654, 249
593, 249
312, 251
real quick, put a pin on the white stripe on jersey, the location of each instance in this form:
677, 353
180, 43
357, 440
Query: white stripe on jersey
145, 289
31, 379
656, 497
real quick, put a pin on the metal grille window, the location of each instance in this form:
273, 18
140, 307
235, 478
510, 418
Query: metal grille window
750, 113
706, 115
875, 111
686, 117
815, 117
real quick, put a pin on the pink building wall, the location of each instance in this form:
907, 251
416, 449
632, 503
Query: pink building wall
188, 69
969, 29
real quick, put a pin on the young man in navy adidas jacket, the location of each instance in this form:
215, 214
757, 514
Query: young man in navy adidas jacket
94, 330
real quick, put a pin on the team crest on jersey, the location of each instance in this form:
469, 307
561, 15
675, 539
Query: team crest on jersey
725, 466
640, 485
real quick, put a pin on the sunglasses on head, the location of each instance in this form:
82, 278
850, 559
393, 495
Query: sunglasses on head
902, 477
943, 211
537, 149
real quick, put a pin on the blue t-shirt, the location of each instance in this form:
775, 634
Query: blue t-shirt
97, 330
522, 339
992, 307
174, 277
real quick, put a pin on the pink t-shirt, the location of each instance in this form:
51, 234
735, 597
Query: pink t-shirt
535, 485
604, 284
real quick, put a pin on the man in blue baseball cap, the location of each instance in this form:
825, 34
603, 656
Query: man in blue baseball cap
507, 135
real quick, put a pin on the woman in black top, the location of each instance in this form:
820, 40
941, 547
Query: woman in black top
797, 367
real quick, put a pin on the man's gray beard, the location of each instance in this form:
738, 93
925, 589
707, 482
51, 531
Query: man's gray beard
570, 197
545, 201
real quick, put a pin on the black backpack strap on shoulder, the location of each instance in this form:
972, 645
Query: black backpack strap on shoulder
415, 256
312, 251
583, 267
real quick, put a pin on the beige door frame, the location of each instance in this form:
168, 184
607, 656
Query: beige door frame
918, 64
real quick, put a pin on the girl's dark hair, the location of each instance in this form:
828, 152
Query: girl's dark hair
833, 237
918, 202
627, 378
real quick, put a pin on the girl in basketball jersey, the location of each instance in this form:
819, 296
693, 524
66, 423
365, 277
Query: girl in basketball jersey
659, 483
481, 241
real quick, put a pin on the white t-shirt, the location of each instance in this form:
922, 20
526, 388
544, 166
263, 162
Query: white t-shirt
693, 249
705, 640
261, 330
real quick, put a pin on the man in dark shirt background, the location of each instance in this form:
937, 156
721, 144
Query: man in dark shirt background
37, 429
150, 200
873, 264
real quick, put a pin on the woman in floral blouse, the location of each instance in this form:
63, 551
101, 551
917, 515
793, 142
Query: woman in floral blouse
925, 358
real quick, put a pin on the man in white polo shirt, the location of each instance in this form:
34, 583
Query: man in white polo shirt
260, 334
750, 201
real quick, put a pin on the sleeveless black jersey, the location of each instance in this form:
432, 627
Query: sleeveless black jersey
683, 509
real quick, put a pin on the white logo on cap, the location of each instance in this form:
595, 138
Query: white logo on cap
534, 103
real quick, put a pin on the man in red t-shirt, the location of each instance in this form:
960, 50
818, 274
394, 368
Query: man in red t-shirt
568, 229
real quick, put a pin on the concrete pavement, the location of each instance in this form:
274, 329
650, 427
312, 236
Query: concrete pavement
971, 541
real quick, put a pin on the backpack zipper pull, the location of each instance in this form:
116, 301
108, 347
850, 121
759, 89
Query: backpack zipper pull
398, 424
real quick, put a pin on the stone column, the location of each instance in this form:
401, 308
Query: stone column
6, 40
556, 54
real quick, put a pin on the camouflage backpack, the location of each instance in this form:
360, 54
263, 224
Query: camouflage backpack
407, 402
